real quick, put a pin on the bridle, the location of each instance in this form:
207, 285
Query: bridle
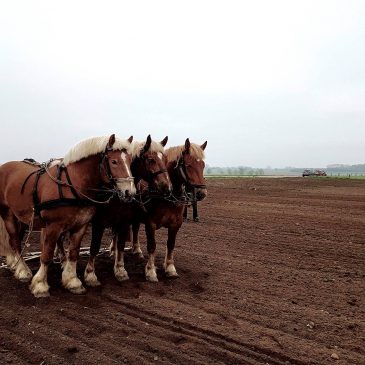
104, 165
181, 169
150, 175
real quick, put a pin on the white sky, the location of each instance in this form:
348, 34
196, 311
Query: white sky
278, 83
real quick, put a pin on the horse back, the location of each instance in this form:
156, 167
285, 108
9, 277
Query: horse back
13, 175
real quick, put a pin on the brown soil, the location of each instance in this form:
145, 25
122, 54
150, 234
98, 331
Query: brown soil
273, 274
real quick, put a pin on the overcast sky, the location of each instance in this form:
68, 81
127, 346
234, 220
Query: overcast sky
279, 83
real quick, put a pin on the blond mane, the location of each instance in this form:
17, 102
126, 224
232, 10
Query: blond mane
137, 148
174, 153
93, 146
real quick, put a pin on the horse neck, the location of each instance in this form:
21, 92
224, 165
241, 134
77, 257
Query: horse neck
136, 170
176, 181
85, 174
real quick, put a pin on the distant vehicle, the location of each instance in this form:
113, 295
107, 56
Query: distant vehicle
308, 172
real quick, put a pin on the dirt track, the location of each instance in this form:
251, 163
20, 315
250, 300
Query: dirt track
273, 274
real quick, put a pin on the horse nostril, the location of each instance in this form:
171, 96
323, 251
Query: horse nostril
127, 193
200, 195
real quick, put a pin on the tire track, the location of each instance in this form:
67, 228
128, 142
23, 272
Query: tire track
215, 339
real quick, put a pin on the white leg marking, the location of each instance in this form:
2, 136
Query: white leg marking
136, 250
169, 266
70, 280
89, 274
119, 270
150, 269
39, 286
113, 245
10, 261
22, 271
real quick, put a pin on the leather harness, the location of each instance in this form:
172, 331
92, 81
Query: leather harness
180, 166
62, 201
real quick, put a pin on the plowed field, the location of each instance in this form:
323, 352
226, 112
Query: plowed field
274, 273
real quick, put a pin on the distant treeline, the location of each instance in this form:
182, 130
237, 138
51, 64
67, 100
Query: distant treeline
240, 170
295, 171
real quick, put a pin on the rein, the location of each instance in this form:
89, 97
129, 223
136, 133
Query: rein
181, 168
74, 189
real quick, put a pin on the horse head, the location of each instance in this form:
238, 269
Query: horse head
115, 167
149, 164
191, 167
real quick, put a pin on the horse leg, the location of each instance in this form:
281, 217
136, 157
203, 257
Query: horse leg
60, 249
39, 286
13, 257
150, 269
136, 250
89, 275
5, 248
169, 266
185, 214
70, 280
195, 212
119, 270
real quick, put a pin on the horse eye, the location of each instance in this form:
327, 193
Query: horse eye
114, 162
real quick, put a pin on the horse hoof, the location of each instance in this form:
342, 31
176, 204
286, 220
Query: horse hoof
152, 278
121, 278
92, 281
24, 276
39, 290
41, 294
172, 275
138, 256
196, 219
26, 279
74, 285
78, 290
93, 284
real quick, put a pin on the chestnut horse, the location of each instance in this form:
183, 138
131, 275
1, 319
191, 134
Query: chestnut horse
185, 165
148, 163
60, 198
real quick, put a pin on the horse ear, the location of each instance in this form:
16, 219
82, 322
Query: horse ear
130, 139
204, 145
111, 141
147, 144
187, 145
164, 141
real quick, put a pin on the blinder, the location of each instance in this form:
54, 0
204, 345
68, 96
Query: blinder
104, 165
150, 175
181, 167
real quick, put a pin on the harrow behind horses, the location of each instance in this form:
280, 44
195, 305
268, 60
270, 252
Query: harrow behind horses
59, 198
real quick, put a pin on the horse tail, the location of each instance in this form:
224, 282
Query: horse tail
5, 248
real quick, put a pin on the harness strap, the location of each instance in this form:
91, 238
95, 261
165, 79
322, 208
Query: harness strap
62, 201
26, 180
35, 187
65, 202
74, 192
59, 175
182, 169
